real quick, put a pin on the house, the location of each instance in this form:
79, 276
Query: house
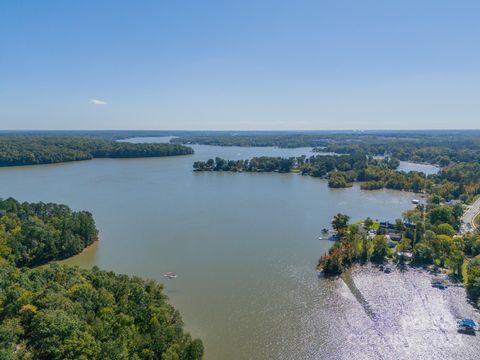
409, 224
387, 225
390, 226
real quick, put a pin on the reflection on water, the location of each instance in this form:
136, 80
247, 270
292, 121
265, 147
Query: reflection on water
404, 317
244, 246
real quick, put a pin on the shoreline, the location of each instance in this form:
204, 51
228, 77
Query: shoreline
87, 248
92, 247
90, 159
405, 317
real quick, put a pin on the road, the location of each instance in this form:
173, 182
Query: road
469, 217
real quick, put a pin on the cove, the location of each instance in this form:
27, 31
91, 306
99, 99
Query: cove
244, 246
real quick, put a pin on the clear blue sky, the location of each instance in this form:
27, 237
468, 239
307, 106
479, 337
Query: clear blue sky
239, 64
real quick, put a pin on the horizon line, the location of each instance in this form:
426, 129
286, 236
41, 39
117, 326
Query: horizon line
245, 130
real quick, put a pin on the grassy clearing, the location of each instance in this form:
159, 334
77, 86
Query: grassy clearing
375, 226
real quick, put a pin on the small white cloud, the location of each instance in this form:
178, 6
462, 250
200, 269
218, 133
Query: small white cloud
97, 102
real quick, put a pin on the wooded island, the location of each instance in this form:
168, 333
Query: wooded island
34, 150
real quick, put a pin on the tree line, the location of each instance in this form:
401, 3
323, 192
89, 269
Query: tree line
60, 313
429, 149
64, 313
434, 147
32, 234
431, 239
23, 150
454, 181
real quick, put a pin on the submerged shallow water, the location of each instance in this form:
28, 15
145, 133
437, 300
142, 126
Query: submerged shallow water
244, 246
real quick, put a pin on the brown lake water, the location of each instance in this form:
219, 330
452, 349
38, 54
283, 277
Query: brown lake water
244, 246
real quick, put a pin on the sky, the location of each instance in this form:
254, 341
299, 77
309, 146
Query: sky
239, 65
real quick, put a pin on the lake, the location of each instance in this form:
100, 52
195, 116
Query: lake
244, 246
428, 169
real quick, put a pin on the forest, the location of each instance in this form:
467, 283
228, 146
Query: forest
25, 150
58, 312
32, 234
434, 147
432, 241
285, 140
454, 181
64, 313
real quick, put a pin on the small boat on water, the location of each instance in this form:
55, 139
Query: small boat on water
331, 237
170, 275
328, 235
415, 201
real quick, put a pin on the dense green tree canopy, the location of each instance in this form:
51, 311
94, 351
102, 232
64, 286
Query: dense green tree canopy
35, 233
340, 222
436, 147
473, 279
59, 313
20, 150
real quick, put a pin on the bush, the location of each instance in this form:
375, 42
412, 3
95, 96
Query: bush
473, 280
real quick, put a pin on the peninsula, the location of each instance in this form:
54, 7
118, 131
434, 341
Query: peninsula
34, 150
60, 312
438, 234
